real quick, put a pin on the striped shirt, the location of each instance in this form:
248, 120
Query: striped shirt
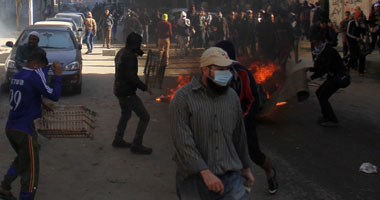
207, 130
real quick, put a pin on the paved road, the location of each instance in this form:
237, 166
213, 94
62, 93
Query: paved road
312, 162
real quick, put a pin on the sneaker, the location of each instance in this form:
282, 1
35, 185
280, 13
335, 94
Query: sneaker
272, 183
140, 149
121, 144
87, 52
329, 123
6, 195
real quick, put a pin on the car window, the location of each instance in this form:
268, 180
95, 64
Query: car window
51, 39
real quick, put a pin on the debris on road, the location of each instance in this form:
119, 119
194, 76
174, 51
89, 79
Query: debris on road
368, 168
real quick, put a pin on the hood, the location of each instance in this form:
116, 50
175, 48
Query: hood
134, 41
64, 57
227, 46
183, 14
89, 15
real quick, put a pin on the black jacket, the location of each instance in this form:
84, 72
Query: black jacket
328, 61
328, 34
126, 79
355, 30
106, 21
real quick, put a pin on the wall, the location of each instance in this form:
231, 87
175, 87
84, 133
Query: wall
338, 7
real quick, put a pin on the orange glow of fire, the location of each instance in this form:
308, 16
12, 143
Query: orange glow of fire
263, 71
158, 99
181, 81
281, 103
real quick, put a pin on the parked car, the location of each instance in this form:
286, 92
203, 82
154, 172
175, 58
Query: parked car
76, 17
77, 13
72, 27
2, 78
60, 45
80, 31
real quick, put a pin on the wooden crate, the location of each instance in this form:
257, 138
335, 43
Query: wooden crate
67, 122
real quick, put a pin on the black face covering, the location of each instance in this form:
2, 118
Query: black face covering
139, 52
219, 90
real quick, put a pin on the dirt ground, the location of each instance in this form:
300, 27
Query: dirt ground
312, 162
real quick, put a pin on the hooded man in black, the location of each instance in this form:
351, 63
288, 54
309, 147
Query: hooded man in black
328, 61
126, 84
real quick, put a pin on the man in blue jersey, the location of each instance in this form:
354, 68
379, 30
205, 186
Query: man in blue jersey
28, 86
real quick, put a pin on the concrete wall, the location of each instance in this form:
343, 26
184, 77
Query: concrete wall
338, 7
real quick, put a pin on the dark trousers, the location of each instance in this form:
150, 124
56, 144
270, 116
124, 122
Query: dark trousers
324, 92
374, 37
355, 56
257, 156
127, 105
193, 187
90, 40
296, 49
345, 48
25, 165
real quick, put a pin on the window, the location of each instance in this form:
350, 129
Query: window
51, 39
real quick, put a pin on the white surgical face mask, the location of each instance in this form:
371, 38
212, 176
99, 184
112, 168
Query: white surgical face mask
222, 77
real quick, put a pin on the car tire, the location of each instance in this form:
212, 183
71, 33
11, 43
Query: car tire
77, 89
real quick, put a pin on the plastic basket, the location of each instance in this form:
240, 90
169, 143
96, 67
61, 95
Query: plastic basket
66, 122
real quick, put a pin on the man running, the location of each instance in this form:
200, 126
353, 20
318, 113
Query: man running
27, 88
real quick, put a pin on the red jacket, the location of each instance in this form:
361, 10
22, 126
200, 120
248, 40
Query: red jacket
164, 29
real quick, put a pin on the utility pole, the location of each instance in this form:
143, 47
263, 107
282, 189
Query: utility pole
30, 12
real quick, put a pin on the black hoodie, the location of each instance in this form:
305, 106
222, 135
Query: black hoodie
126, 68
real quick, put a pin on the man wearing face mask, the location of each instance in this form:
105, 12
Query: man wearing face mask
24, 51
125, 86
328, 61
208, 133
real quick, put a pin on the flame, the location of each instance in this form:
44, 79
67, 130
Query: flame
268, 95
281, 103
181, 81
263, 71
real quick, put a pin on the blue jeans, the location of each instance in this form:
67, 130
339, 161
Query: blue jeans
193, 187
90, 40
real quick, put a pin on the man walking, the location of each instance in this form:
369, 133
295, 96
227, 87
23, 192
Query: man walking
183, 31
126, 84
24, 51
164, 29
90, 25
244, 85
343, 31
27, 88
106, 23
374, 23
208, 133
357, 31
